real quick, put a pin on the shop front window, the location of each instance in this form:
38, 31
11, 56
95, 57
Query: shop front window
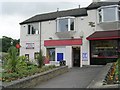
104, 49
51, 54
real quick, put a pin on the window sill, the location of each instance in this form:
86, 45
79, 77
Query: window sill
66, 31
67, 34
107, 22
32, 34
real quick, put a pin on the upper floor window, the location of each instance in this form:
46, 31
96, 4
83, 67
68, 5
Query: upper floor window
65, 24
108, 13
119, 12
33, 29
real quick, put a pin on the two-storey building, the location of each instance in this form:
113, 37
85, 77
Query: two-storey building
81, 36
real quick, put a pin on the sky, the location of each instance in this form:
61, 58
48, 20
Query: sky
12, 12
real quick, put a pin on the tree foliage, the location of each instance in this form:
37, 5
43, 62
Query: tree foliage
15, 63
40, 59
7, 42
11, 59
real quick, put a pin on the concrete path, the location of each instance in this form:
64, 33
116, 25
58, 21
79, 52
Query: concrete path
75, 78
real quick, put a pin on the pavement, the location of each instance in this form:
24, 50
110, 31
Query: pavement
76, 78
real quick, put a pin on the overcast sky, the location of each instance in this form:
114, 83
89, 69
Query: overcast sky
16, 11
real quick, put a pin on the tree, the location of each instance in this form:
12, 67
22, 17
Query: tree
7, 42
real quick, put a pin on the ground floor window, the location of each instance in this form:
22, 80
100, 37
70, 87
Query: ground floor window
51, 54
104, 49
27, 56
36, 54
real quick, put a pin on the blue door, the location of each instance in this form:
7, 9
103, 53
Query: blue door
59, 56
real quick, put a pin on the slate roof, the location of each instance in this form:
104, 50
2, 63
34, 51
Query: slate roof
72, 12
96, 5
54, 15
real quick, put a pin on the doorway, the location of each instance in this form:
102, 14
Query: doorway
76, 56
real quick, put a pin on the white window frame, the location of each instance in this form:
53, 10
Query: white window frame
102, 12
119, 13
68, 17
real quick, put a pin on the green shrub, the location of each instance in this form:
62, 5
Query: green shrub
52, 66
117, 72
9, 76
24, 72
40, 59
21, 65
11, 59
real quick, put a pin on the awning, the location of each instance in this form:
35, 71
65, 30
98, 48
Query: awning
104, 35
67, 42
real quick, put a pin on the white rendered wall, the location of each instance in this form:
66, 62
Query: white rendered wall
68, 57
48, 30
83, 29
25, 38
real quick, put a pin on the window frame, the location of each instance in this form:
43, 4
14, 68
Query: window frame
36, 54
69, 23
100, 49
27, 57
102, 13
119, 13
31, 30
47, 54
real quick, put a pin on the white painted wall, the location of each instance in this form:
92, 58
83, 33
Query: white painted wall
68, 57
25, 38
48, 28
82, 28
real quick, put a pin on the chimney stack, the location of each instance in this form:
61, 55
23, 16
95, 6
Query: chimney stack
57, 9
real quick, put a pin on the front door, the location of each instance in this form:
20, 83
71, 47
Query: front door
76, 56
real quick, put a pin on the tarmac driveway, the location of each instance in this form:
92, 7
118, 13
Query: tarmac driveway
75, 78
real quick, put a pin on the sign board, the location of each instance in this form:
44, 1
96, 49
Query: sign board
84, 56
30, 46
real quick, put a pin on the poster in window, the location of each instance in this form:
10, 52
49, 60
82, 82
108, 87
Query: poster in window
29, 45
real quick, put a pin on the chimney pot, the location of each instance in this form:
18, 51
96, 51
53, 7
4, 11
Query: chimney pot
57, 9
